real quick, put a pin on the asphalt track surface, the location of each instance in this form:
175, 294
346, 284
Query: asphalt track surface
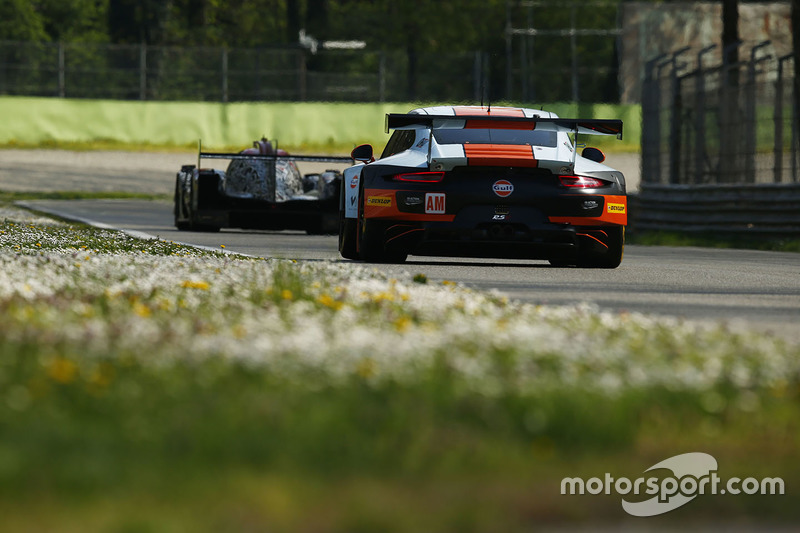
744, 288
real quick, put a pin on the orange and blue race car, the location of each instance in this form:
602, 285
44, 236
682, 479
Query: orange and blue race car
497, 182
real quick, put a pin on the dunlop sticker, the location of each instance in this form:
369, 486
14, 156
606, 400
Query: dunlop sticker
382, 201
616, 208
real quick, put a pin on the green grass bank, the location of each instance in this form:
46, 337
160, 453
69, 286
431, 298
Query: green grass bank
58, 122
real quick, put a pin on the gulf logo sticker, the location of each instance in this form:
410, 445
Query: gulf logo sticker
503, 188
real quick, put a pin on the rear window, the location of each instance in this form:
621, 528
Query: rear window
464, 136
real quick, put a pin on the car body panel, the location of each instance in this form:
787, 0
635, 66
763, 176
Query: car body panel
478, 182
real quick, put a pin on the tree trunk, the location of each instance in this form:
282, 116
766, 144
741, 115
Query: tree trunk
730, 35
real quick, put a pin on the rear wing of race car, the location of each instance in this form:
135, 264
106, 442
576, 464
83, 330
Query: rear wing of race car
570, 125
271, 157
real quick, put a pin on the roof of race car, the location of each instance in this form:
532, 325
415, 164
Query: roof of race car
459, 111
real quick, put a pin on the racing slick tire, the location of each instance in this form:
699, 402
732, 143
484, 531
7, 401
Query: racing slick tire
610, 258
372, 238
373, 247
182, 225
348, 234
180, 204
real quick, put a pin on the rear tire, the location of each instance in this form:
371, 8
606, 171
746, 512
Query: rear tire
373, 244
610, 258
348, 234
177, 209
184, 217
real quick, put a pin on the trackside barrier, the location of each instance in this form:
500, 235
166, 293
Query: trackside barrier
769, 209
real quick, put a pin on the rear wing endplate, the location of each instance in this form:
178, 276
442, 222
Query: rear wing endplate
572, 125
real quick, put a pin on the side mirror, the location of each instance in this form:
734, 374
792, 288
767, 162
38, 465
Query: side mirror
362, 153
593, 154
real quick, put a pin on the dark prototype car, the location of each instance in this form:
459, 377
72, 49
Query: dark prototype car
485, 182
262, 188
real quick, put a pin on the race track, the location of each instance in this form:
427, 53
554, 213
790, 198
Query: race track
747, 289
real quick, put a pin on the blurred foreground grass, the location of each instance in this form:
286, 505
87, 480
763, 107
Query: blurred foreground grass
149, 386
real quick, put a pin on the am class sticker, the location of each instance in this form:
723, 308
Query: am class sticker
435, 203
503, 188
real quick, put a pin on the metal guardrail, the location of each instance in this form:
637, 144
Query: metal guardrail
768, 209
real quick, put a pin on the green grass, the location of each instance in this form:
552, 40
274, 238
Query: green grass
712, 240
113, 419
9, 197
106, 145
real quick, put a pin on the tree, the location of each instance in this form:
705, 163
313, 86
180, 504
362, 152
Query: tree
21, 21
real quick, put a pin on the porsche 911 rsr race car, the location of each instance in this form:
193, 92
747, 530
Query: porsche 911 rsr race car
262, 188
470, 181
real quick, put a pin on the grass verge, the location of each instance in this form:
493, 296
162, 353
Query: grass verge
712, 240
148, 386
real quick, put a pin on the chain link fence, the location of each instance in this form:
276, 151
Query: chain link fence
720, 145
721, 124
141, 72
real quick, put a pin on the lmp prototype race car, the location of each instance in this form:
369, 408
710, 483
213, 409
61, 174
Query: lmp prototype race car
500, 182
262, 188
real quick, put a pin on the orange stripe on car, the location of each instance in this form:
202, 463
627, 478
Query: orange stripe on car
514, 155
482, 110
483, 124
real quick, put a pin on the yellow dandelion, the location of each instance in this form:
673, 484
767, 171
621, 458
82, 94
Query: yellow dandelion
328, 301
202, 285
402, 324
62, 370
286, 294
142, 310
366, 368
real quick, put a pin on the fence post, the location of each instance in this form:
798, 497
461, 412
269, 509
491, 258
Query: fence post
302, 86
674, 129
224, 75
750, 119
382, 77
143, 71
573, 46
778, 119
651, 122
62, 84
700, 112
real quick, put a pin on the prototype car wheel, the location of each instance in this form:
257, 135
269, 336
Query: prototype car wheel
180, 215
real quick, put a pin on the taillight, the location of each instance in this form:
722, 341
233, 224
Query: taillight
420, 177
582, 182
